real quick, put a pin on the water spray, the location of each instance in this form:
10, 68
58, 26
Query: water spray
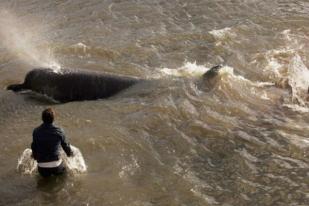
23, 39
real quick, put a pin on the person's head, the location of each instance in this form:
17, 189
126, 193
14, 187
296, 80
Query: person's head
48, 115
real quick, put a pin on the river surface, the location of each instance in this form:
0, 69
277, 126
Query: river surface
242, 140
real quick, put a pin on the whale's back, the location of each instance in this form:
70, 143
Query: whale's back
77, 85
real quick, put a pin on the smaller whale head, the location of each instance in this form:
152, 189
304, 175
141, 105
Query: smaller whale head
212, 72
209, 78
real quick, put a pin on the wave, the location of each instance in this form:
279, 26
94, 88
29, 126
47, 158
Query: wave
226, 74
286, 69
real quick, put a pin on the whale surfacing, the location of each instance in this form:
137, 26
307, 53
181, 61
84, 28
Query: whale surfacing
74, 85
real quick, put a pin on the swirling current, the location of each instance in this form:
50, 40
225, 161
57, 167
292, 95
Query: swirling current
242, 140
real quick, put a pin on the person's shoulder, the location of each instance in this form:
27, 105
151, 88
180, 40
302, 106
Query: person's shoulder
37, 128
36, 131
58, 129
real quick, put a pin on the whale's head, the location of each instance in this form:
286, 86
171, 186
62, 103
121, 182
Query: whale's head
29, 79
16, 87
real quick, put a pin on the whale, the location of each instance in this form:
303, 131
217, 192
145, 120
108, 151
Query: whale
69, 85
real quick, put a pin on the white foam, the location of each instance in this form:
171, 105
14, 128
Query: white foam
187, 70
221, 34
299, 72
28, 166
286, 68
80, 45
190, 69
274, 66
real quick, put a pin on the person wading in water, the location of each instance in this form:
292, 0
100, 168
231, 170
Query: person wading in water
45, 146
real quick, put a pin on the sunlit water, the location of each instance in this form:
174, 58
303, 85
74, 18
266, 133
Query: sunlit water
239, 140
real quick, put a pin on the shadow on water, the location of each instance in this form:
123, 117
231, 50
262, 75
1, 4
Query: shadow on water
39, 99
18, 189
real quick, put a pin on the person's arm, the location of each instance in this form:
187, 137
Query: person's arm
65, 144
33, 148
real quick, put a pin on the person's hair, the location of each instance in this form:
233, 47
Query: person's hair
48, 115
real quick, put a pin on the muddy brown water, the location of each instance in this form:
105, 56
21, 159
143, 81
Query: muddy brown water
242, 141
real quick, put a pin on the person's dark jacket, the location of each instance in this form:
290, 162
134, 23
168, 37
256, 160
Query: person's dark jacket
47, 139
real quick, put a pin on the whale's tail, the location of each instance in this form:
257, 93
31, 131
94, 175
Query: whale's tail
16, 87
212, 72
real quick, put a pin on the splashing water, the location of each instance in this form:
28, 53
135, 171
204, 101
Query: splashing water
286, 68
228, 80
23, 39
187, 70
299, 79
76, 164
26, 164
193, 70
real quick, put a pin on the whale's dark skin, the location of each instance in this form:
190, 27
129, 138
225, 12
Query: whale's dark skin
76, 85
212, 72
